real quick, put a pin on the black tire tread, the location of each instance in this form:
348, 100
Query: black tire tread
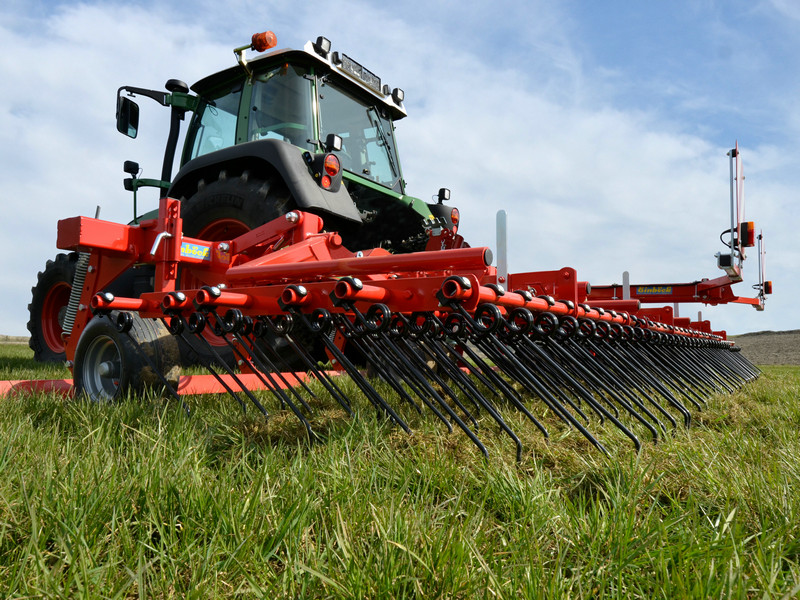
61, 269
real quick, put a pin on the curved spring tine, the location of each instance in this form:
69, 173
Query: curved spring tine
325, 380
613, 363
228, 330
670, 378
264, 371
372, 395
462, 382
584, 393
483, 372
209, 367
638, 377
505, 359
411, 354
595, 374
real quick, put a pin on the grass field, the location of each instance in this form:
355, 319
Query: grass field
139, 500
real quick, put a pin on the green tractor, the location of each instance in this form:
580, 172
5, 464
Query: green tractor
304, 129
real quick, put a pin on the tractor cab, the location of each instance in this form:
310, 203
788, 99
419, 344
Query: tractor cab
293, 97
312, 120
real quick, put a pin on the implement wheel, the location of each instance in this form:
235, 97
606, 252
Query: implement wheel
49, 299
223, 210
109, 362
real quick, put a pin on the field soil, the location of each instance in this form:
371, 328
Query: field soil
770, 347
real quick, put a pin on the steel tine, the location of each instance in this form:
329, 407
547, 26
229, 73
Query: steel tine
663, 380
484, 373
642, 379
434, 352
232, 325
619, 392
552, 372
196, 328
267, 371
591, 371
460, 380
264, 371
510, 364
321, 319
385, 370
628, 370
610, 369
324, 379
680, 374
582, 391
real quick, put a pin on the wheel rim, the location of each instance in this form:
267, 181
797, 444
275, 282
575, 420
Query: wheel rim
102, 369
222, 229
52, 318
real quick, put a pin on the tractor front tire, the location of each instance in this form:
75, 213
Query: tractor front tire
109, 362
49, 299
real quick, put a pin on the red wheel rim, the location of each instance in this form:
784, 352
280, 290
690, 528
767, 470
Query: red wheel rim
53, 309
221, 229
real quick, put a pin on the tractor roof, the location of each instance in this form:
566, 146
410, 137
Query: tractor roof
350, 71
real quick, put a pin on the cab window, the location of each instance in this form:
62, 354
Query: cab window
281, 107
215, 122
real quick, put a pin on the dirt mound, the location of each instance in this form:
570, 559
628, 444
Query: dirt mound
770, 347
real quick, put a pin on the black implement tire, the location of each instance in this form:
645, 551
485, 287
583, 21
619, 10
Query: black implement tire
222, 210
109, 363
49, 299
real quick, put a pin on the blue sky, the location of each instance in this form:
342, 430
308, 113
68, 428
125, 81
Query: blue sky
601, 127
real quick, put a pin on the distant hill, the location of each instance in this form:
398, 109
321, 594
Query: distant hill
770, 347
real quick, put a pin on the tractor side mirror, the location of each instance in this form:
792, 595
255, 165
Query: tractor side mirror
127, 116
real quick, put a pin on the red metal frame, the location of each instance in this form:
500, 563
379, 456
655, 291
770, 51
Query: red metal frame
258, 272
706, 291
290, 261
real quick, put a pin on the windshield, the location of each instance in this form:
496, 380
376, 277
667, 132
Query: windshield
368, 148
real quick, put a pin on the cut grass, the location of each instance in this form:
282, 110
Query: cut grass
139, 500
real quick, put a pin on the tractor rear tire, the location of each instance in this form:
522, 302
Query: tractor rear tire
49, 299
223, 210
231, 206
109, 363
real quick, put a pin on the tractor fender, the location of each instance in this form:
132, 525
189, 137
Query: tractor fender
266, 157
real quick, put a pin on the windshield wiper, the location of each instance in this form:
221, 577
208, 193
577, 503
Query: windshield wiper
376, 122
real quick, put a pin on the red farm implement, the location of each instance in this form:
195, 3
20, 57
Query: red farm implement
373, 288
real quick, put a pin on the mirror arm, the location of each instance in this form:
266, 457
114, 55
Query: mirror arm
160, 97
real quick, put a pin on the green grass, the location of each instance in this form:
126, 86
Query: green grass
139, 500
